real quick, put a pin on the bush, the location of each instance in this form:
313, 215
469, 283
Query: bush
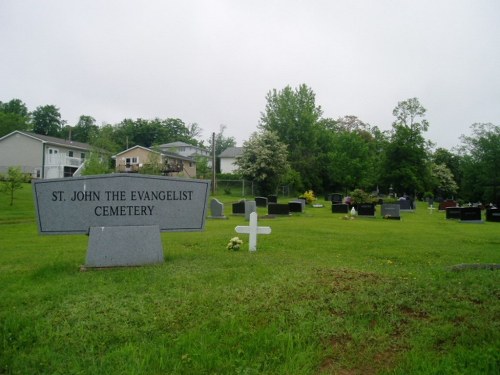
359, 196
308, 196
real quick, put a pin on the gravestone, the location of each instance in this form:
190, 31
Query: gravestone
336, 198
250, 207
123, 213
470, 215
447, 203
366, 209
239, 208
453, 213
295, 206
253, 230
391, 211
405, 205
493, 214
261, 201
217, 209
272, 199
340, 208
278, 209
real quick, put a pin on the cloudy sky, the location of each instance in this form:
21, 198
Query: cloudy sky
212, 62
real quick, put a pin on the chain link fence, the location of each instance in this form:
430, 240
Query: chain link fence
245, 188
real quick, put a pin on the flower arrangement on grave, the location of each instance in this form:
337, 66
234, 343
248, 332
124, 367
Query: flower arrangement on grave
234, 244
308, 196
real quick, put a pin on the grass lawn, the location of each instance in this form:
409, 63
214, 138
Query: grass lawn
322, 295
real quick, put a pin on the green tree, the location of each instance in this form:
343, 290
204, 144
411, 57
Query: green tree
85, 129
14, 115
481, 163
97, 163
12, 181
407, 166
264, 160
293, 115
47, 121
350, 154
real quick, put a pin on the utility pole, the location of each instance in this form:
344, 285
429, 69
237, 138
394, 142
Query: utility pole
214, 182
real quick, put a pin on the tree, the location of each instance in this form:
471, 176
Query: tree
47, 121
12, 181
406, 166
293, 115
264, 160
97, 163
443, 180
481, 163
14, 115
85, 129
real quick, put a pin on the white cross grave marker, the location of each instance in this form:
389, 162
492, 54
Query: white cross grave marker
253, 230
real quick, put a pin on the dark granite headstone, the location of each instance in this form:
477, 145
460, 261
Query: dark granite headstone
493, 214
336, 198
278, 209
239, 208
470, 214
272, 199
453, 213
405, 205
295, 206
340, 208
366, 209
261, 201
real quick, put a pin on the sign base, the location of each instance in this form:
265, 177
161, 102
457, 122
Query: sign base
124, 246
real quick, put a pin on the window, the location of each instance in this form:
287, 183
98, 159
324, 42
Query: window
82, 156
134, 160
70, 154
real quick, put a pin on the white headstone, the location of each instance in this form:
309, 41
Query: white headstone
253, 230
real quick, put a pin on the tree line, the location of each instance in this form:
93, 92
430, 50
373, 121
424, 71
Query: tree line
296, 145
339, 155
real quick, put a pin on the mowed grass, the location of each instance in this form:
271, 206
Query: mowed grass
322, 295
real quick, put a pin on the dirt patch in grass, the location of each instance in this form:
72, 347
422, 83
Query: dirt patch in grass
370, 324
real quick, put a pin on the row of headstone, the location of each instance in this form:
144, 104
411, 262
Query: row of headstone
245, 207
472, 214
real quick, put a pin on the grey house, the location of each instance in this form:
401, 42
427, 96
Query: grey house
41, 156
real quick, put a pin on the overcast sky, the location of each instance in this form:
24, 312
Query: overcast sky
212, 62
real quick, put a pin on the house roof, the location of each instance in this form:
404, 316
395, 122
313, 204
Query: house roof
164, 153
231, 152
131, 148
177, 144
51, 140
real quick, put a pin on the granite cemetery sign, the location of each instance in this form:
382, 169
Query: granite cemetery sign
123, 214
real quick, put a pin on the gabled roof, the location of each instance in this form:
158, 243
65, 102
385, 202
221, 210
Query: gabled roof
164, 153
231, 152
51, 140
133, 147
177, 144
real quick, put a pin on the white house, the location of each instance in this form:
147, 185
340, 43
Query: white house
184, 149
41, 156
228, 158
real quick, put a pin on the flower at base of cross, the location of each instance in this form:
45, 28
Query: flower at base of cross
234, 244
